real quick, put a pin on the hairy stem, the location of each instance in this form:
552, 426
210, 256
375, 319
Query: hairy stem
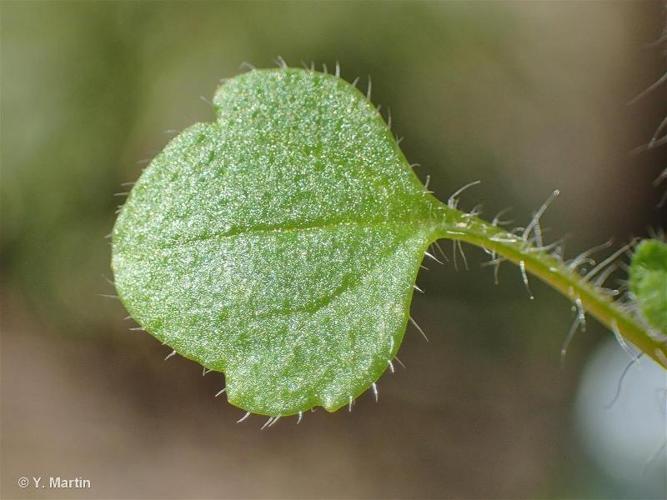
557, 274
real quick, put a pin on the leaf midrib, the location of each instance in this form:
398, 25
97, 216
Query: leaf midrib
417, 224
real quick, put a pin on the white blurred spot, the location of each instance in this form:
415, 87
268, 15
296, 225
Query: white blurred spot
627, 439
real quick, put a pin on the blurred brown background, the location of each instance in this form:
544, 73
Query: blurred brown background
525, 96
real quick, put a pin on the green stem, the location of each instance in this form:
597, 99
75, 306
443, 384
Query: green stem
553, 271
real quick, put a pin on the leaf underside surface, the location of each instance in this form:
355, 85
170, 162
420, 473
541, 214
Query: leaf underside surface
648, 282
280, 243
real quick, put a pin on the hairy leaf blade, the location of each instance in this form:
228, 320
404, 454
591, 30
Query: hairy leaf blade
279, 244
648, 282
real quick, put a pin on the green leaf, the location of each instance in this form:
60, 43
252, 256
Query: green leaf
279, 244
648, 282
